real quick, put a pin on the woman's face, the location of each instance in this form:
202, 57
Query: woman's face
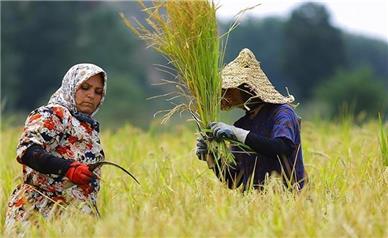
231, 98
89, 94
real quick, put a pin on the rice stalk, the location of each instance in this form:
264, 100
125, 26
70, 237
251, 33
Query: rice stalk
383, 140
185, 32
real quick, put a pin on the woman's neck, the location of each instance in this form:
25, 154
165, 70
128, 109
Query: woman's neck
255, 109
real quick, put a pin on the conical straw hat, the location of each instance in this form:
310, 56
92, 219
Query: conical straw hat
246, 69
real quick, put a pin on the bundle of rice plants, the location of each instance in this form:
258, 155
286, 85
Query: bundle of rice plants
185, 32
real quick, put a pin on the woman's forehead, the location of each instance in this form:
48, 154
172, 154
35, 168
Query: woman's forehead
230, 91
95, 80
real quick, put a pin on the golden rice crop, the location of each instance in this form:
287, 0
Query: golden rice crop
347, 195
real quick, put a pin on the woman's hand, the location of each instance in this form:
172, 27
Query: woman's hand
222, 131
79, 173
201, 148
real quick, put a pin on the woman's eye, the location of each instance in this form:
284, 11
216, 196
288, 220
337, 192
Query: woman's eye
85, 86
99, 92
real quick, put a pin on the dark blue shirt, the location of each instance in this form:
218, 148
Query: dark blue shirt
272, 121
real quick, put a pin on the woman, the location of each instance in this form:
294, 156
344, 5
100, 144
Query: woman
270, 128
58, 143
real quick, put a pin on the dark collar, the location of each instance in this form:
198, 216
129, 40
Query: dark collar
86, 118
255, 109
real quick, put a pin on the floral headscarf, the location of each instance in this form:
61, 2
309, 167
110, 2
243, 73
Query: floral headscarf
76, 75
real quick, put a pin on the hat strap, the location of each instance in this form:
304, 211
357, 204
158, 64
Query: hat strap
250, 99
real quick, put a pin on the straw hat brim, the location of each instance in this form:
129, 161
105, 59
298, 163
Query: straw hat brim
246, 69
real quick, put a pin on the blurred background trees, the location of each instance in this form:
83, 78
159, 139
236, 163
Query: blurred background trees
313, 49
352, 92
42, 40
320, 64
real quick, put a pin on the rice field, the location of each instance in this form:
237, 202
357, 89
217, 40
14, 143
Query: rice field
179, 197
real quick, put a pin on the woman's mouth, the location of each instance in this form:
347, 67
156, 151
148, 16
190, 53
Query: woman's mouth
88, 104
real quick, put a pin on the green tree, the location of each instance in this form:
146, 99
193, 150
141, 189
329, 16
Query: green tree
42, 40
106, 41
355, 92
373, 53
313, 48
265, 38
38, 41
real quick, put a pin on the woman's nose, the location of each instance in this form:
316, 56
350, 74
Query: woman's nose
90, 94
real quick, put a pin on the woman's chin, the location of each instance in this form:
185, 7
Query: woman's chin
87, 111
226, 108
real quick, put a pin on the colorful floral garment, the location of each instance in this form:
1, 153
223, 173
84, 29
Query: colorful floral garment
59, 132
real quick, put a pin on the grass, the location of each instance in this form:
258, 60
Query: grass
383, 140
179, 196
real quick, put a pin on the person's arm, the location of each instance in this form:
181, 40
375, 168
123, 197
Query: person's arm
37, 158
42, 161
279, 145
271, 147
46, 126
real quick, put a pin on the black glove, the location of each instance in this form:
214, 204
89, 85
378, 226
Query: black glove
201, 149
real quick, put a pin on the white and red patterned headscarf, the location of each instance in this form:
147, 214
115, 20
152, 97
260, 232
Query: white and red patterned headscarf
75, 76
